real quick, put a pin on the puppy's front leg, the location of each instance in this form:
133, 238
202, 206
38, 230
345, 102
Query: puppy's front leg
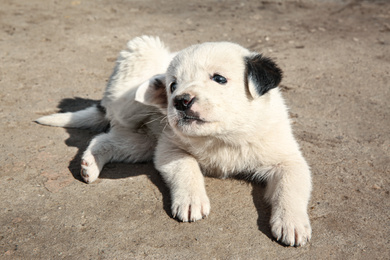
288, 191
182, 174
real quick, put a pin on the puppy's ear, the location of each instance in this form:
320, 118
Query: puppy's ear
152, 92
262, 74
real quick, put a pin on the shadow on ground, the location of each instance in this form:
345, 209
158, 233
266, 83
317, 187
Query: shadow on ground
263, 209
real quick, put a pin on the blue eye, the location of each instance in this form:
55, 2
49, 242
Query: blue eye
219, 79
173, 86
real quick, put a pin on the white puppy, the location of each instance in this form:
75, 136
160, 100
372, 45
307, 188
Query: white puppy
212, 109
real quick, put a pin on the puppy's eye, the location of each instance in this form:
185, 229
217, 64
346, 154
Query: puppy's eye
173, 86
219, 79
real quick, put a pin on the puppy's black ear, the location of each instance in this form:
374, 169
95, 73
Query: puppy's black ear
152, 92
262, 74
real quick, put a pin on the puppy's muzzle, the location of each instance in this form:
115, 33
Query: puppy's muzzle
183, 102
186, 115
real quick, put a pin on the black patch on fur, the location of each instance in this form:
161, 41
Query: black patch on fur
157, 94
158, 84
107, 128
263, 72
101, 108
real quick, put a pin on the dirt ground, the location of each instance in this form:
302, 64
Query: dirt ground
57, 55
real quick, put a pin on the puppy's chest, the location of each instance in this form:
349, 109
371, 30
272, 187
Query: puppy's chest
224, 160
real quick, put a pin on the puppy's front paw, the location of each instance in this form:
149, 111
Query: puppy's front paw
190, 207
89, 168
291, 230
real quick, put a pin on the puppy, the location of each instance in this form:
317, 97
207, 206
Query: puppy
211, 109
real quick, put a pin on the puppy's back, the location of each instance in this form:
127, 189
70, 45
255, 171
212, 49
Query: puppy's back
144, 57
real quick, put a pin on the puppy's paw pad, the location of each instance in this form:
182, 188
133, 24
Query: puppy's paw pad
291, 231
89, 169
191, 208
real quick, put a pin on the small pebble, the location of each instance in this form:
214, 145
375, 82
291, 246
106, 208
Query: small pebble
381, 41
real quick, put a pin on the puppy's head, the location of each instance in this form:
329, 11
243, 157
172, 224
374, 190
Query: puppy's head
212, 89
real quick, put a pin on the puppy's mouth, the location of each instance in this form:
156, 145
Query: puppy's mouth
186, 118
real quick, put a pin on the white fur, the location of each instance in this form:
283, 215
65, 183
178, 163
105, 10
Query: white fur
236, 131
87, 118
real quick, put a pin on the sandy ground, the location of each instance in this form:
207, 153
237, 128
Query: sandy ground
57, 55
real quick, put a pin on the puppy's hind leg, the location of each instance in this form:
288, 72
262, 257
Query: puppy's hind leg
95, 157
118, 145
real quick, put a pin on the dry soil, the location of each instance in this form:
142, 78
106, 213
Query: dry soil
57, 55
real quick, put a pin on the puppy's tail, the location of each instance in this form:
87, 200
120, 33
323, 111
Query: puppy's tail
90, 118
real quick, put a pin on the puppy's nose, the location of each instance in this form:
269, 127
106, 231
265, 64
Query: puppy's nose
183, 102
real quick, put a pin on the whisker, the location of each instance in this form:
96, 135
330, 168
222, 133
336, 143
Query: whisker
150, 114
155, 119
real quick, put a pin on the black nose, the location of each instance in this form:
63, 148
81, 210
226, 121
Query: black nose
183, 102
